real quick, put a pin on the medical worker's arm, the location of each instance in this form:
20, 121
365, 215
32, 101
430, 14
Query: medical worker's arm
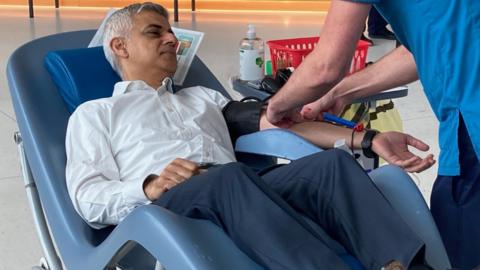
326, 65
395, 69
93, 177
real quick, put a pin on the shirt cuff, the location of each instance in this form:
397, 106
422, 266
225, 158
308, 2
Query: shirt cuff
133, 193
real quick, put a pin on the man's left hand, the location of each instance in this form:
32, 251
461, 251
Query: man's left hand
393, 148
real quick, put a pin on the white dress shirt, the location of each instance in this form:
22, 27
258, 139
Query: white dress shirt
114, 143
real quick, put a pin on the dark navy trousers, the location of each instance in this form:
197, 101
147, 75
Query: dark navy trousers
455, 205
261, 214
375, 21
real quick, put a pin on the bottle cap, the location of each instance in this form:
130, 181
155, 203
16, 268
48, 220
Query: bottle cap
251, 31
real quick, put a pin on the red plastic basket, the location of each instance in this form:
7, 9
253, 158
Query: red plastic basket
291, 52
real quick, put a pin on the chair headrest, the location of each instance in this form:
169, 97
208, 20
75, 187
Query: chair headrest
81, 75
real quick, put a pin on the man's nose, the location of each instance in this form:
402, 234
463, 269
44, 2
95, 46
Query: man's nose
171, 38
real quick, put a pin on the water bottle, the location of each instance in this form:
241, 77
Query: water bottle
251, 56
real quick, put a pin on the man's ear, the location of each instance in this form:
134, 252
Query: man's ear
118, 47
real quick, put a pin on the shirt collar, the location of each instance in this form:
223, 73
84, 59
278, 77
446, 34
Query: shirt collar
139, 85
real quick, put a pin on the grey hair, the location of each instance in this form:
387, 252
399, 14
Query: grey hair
120, 23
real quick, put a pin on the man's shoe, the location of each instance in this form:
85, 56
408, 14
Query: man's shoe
364, 38
384, 33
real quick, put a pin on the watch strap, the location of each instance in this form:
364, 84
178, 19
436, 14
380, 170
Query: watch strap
367, 143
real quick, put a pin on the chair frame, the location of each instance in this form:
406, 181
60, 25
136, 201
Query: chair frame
181, 243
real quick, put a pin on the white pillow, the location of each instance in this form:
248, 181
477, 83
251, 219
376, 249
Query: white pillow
97, 39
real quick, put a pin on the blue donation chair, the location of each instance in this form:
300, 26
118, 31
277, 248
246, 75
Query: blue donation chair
149, 233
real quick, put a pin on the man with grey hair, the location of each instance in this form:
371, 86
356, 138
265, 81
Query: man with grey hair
146, 144
120, 24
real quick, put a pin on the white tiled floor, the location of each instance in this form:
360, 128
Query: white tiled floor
19, 247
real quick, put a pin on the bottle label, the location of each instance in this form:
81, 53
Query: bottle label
251, 65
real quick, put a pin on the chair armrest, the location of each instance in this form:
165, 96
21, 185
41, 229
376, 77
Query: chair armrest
399, 189
276, 142
176, 242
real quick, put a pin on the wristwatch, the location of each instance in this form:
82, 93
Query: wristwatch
367, 143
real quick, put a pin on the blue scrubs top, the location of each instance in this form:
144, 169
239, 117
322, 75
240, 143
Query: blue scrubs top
444, 38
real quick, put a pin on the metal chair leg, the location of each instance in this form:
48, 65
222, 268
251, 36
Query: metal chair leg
175, 10
30, 8
51, 261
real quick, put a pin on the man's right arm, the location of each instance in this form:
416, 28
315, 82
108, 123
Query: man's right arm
93, 177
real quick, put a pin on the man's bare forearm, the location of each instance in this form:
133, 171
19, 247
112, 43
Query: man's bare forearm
395, 69
325, 134
322, 134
